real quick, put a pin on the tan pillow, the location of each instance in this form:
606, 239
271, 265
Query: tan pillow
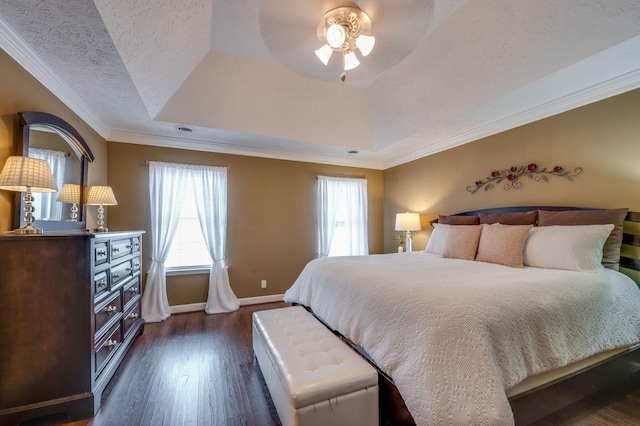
462, 242
510, 218
459, 220
611, 250
503, 244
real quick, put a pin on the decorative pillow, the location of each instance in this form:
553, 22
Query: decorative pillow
611, 250
574, 248
459, 220
462, 242
503, 244
511, 218
437, 239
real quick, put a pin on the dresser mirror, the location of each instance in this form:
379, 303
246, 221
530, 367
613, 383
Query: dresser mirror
50, 138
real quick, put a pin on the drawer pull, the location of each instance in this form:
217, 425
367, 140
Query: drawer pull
136, 265
133, 290
115, 276
111, 309
128, 246
102, 284
116, 249
102, 252
110, 344
134, 315
129, 269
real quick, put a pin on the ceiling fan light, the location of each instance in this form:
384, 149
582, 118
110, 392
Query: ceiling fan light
350, 61
324, 53
365, 44
336, 35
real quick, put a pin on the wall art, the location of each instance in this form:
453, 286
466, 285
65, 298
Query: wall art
512, 177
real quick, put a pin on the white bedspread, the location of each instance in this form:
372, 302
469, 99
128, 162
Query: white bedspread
455, 335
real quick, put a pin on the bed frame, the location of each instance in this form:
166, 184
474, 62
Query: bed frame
546, 399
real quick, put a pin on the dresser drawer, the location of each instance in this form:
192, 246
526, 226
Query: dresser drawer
131, 315
100, 252
107, 346
137, 243
131, 290
108, 311
121, 272
121, 247
137, 264
100, 283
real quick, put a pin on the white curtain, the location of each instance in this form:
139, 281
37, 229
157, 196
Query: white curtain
211, 184
167, 186
45, 204
168, 183
342, 228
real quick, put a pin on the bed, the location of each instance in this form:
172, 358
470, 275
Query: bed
463, 340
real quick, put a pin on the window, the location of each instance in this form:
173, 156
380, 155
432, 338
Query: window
188, 249
342, 230
45, 203
188, 205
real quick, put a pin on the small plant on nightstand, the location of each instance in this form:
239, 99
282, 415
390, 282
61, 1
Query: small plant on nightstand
399, 238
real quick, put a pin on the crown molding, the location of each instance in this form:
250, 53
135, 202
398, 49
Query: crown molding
612, 87
31, 62
124, 136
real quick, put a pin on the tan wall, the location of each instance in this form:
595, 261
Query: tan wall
19, 91
603, 138
271, 232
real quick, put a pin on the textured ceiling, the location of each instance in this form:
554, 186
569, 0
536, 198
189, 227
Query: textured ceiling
244, 76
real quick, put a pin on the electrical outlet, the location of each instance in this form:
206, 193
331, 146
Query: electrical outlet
263, 283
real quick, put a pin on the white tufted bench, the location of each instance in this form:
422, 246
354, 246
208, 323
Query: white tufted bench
314, 378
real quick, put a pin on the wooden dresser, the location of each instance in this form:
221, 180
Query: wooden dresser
69, 312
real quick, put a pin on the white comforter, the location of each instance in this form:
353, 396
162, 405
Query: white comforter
455, 335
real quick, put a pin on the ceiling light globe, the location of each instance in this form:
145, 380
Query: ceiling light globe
324, 53
350, 61
365, 44
336, 35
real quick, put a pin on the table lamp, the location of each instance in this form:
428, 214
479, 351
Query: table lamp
101, 196
25, 174
408, 222
70, 193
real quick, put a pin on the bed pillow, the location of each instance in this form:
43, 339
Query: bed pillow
462, 242
611, 250
511, 218
573, 248
437, 239
459, 220
503, 244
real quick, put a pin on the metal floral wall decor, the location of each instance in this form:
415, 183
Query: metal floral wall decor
512, 176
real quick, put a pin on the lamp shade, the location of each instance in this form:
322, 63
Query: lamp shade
365, 44
324, 53
101, 196
350, 61
70, 193
20, 173
408, 222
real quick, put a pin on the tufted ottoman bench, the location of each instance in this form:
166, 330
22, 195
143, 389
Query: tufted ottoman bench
314, 378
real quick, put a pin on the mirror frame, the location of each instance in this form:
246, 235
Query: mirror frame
34, 119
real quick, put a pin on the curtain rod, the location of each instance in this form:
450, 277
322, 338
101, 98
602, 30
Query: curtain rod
146, 162
343, 176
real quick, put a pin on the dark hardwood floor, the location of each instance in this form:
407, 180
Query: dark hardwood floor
198, 369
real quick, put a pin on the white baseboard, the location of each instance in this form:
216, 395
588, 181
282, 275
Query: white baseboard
261, 299
195, 307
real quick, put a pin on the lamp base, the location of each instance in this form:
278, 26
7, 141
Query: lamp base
101, 229
28, 230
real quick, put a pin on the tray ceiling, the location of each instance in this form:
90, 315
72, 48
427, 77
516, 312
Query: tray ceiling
243, 74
